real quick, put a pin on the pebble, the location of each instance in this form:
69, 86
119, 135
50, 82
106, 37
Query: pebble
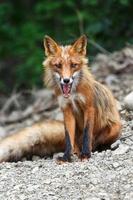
2, 132
115, 145
56, 155
35, 158
115, 164
119, 105
111, 80
121, 150
128, 101
35, 169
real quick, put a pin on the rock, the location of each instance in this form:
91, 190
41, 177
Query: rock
115, 145
35, 158
128, 101
131, 124
123, 112
36, 118
24, 159
115, 164
29, 122
119, 105
111, 80
129, 195
121, 150
59, 116
56, 155
3, 132
35, 169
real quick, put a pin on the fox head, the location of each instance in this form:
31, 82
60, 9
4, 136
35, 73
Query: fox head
63, 65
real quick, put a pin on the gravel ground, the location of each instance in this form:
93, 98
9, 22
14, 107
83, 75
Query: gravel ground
107, 176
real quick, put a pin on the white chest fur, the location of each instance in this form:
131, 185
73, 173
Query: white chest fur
63, 102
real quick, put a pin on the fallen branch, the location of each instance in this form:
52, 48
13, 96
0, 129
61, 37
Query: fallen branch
9, 102
18, 116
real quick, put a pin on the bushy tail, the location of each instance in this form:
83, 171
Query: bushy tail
43, 138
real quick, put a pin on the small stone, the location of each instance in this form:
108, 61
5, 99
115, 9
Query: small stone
121, 150
36, 118
115, 164
123, 112
23, 159
129, 195
119, 106
111, 80
35, 169
128, 101
22, 196
56, 155
59, 116
131, 124
48, 181
29, 122
3, 132
115, 145
35, 158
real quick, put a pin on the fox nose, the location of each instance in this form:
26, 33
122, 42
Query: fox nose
66, 80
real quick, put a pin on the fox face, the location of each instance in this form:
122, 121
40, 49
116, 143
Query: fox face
64, 64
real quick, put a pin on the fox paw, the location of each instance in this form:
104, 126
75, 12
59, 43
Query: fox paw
84, 157
61, 160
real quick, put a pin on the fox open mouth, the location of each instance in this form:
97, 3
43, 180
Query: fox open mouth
66, 89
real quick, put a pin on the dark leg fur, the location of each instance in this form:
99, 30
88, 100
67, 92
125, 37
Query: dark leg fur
67, 154
86, 151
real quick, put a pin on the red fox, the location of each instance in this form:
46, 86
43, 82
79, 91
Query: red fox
91, 119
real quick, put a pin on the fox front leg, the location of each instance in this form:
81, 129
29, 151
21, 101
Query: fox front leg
87, 135
69, 121
86, 147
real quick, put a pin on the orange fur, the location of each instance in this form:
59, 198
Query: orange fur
96, 107
89, 103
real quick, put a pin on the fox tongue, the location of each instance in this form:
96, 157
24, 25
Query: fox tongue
66, 89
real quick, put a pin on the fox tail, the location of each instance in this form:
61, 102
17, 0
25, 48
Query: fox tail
42, 139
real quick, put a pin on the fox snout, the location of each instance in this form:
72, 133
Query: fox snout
67, 83
67, 80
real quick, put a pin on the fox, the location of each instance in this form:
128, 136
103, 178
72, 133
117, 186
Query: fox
91, 119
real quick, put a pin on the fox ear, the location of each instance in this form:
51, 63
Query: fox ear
51, 47
79, 47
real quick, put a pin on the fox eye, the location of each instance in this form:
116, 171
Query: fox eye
59, 65
73, 65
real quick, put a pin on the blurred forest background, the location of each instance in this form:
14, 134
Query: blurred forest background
23, 24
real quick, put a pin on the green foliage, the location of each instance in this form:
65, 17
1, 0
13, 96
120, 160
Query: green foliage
23, 25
